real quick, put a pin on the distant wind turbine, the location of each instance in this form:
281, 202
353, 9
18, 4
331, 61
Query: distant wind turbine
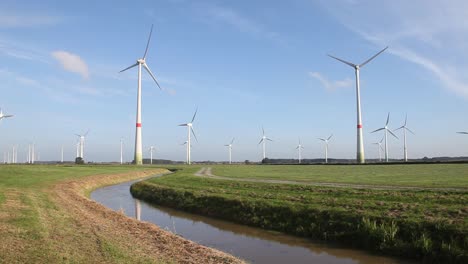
380, 148
386, 137
230, 150
299, 151
121, 151
141, 62
151, 149
326, 140
81, 143
190, 130
360, 143
263, 140
186, 152
405, 128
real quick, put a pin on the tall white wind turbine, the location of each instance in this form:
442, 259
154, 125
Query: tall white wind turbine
326, 140
151, 149
81, 143
360, 142
299, 151
141, 63
230, 150
405, 128
264, 140
387, 130
190, 130
380, 148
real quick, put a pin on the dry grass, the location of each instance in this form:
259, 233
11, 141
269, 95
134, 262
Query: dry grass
59, 224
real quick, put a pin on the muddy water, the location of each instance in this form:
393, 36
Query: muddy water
251, 244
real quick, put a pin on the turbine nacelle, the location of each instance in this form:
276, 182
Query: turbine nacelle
141, 61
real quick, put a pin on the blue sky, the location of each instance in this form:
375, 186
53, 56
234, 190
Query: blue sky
244, 64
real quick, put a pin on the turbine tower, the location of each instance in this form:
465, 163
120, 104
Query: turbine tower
387, 130
141, 62
360, 143
61, 157
263, 140
326, 140
121, 151
380, 148
81, 144
299, 151
405, 128
186, 152
230, 150
151, 154
190, 129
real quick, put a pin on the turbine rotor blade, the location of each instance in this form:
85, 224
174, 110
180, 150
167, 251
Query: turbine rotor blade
388, 119
389, 131
147, 44
465, 133
193, 118
263, 130
232, 141
261, 140
330, 137
343, 61
367, 61
410, 131
193, 132
183, 125
152, 76
322, 139
406, 119
85, 134
129, 67
269, 139
399, 128
378, 130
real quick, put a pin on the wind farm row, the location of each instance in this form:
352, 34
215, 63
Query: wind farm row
11, 156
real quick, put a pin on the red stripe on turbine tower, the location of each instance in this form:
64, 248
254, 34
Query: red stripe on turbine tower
359, 126
138, 124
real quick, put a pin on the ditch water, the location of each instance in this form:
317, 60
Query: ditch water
251, 244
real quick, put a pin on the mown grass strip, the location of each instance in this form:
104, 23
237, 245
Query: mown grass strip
424, 224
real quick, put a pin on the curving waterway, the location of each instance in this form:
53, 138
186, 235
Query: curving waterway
251, 244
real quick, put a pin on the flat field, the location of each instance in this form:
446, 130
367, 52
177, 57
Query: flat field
418, 175
420, 223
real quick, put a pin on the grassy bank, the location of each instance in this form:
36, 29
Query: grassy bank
427, 225
46, 218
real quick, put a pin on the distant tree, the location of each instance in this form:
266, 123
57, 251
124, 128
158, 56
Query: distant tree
79, 160
247, 162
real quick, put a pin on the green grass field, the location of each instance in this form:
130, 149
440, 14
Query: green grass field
417, 223
421, 175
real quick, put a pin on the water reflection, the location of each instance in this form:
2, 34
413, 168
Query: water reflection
252, 244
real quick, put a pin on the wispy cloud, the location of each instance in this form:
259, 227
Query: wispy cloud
12, 20
72, 63
331, 85
240, 22
428, 33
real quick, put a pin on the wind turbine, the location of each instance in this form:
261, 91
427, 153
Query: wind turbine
61, 157
326, 140
264, 139
3, 116
380, 148
405, 128
141, 62
190, 129
187, 150
386, 137
360, 143
81, 143
121, 151
230, 150
299, 150
151, 154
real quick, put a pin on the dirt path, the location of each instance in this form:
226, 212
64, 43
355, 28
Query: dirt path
206, 172
68, 227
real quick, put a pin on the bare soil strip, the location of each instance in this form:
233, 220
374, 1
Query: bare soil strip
206, 172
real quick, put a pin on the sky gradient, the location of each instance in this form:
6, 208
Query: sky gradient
244, 64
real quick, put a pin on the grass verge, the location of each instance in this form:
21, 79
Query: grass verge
426, 225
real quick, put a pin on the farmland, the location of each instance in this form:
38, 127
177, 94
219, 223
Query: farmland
422, 224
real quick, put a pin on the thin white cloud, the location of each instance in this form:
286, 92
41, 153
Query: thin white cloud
429, 33
72, 63
12, 20
331, 85
239, 22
